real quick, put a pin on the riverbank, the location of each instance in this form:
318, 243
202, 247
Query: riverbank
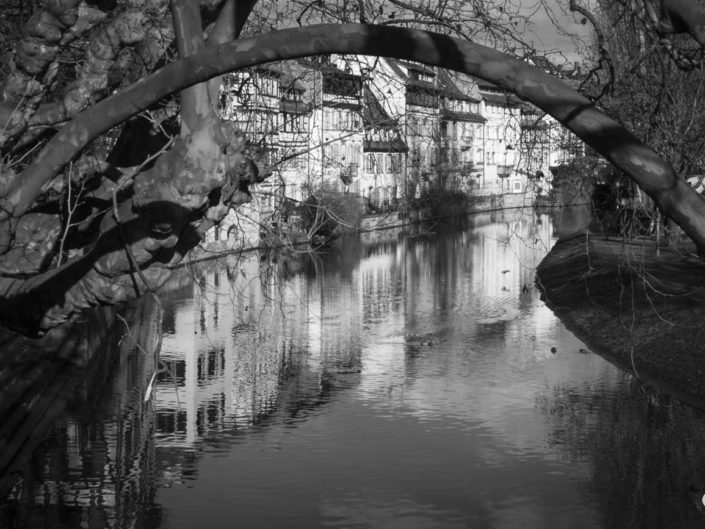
635, 303
248, 237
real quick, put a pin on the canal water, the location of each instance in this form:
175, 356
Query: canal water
392, 382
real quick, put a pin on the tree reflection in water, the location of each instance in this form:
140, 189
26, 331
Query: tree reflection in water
94, 468
435, 335
645, 450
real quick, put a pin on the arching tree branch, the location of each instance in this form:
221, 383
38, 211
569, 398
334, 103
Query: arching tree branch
553, 96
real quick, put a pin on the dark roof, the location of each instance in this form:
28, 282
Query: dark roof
396, 68
289, 82
450, 89
393, 145
423, 85
334, 71
340, 83
502, 99
428, 70
373, 113
342, 105
294, 107
470, 117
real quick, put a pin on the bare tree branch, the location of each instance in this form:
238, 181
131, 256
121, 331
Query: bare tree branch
573, 110
605, 60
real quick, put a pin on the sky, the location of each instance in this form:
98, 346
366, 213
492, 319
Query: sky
544, 34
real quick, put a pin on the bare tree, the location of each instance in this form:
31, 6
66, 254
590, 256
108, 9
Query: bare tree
152, 186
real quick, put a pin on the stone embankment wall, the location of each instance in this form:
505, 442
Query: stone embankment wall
248, 237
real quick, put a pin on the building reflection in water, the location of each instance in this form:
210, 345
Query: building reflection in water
245, 348
94, 469
241, 347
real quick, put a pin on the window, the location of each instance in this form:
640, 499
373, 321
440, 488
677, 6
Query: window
411, 121
370, 163
337, 152
394, 163
327, 119
292, 122
339, 120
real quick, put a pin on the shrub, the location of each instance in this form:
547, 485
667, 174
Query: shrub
328, 212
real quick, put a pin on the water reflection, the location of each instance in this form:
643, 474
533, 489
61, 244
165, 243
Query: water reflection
405, 383
645, 448
96, 464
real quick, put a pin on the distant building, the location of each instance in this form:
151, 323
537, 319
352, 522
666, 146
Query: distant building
251, 99
386, 131
422, 95
337, 128
461, 132
545, 145
293, 140
384, 156
502, 110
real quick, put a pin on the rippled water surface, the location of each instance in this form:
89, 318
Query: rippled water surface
406, 383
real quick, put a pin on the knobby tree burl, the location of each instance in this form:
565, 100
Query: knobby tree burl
168, 174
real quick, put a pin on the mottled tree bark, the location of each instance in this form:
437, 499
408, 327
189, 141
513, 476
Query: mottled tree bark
92, 82
170, 208
35, 62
